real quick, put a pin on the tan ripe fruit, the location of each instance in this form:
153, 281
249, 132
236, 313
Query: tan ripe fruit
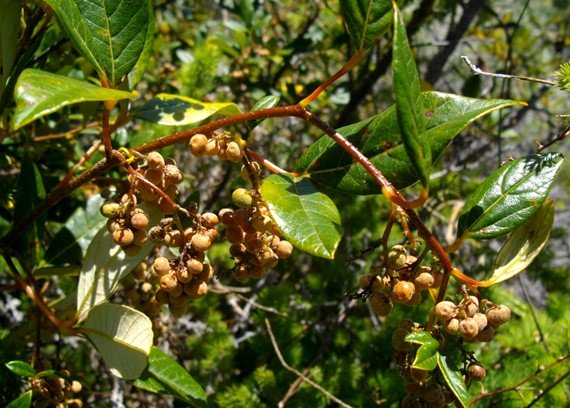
403, 291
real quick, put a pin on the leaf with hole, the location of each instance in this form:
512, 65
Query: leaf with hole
165, 376
109, 34
524, 244
379, 139
39, 93
509, 196
366, 20
426, 358
122, 335
105, 264
176, 110
306, 217
409, 106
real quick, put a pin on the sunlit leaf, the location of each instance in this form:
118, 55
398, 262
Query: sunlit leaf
122, 335
268, 101
39, 93
379, 139
524, 244
409, 106
177, 110
165, 376
104, 266
426, 358
453, 379
23, 401
21, 368
509, 196
306, 217
110, 34
366, 20
139, 69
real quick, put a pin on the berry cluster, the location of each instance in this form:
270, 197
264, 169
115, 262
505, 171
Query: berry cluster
126, 223
470, 320
256, 244
163, 174
224, 145
403, 281
140, 287
56, 391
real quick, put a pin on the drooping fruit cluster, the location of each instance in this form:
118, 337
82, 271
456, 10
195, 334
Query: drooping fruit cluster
140, 287
55, 391
126, 223
162, 173
398, 280
185, 277
226, 146
256, 243
470, 320
422, 386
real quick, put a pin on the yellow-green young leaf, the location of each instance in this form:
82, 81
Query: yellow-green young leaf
122, 335
524, 244
366, 20
306, 217
409, 106
454, 379
39, 93
176, 110
104, 266
110, 34
426, 358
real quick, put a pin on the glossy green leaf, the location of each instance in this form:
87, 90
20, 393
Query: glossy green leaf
105, 265
21, 368
524, 244
306, 217
409, 106
71, 242
9, 33
176, 110
509, 196
454, 379
139, 69
39, 93
111, 34
379, 139
30, 191
366, 20
122, 335
426, 358
266, 102
23, 401
165, 376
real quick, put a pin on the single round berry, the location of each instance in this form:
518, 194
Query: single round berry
234, 152
172, 175
498, 315
139, 220
403, 291
410, 401
201, 242
470, 306
183, 275
110, 210
452, 326
418, 374
241, 198
397, 257
156, 234
194, 266
431, 392
481, 320
283, 249
211, 148
210, 219
424, 281
75, 387
234, 235
227, 217
155, 161
168, 282
446, 310
123, 237
399, 341
173, 238
198, 144
476, 372
381, 304
468, 328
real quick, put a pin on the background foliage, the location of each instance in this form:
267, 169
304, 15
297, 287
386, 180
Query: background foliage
240, 51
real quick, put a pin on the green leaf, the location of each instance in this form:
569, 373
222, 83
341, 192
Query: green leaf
139, 69
426, 358
176, 110
454, 379
21, 368
266, 102
23, 401
165, 376
307, 218
105, 265
9, 32
509, 196
30, 191
524, 244
109, 34
71, 242
409, 106
39, 93
366, 20
122, 335
379, 139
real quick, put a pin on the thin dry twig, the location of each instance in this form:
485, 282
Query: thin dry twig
298, 373
479, 71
